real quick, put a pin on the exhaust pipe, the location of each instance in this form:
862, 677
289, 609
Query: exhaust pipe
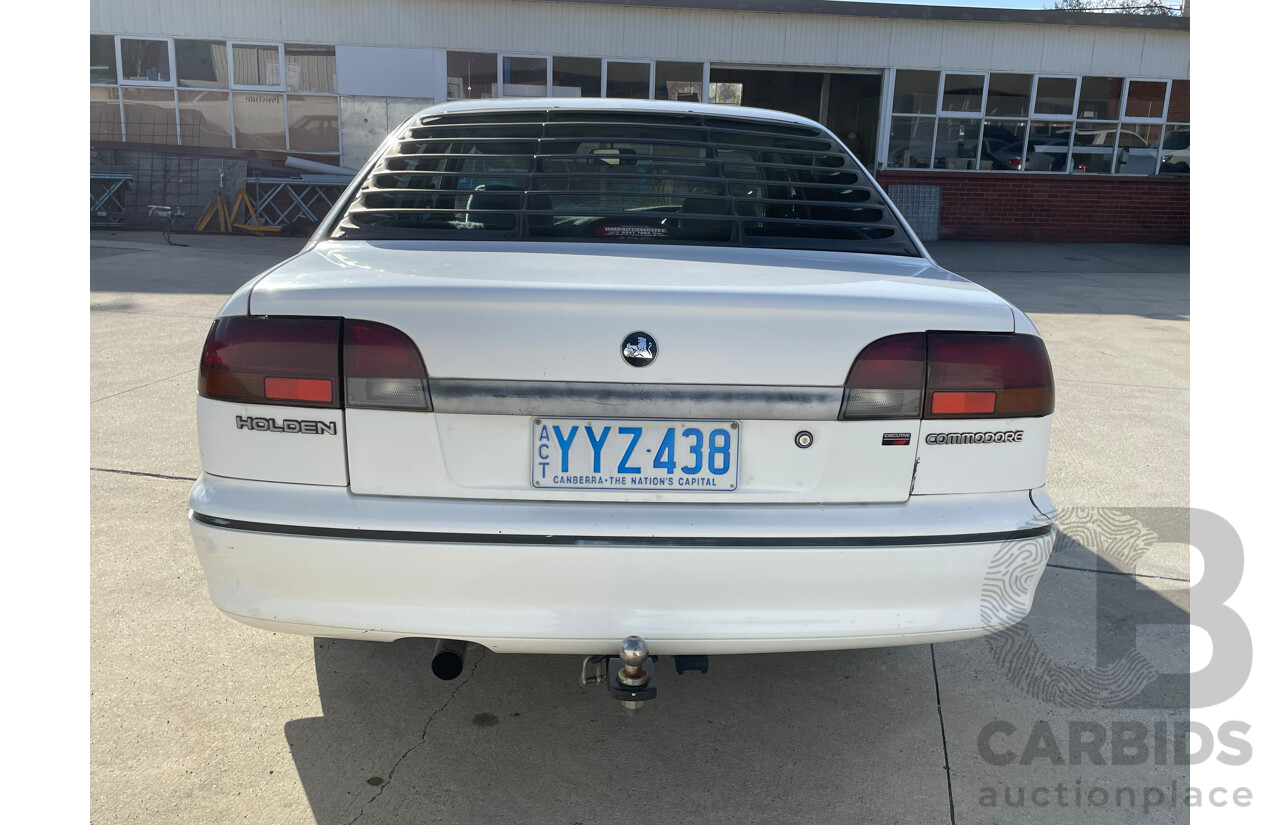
447, 661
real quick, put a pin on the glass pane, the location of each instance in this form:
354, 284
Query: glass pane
524, 77
149, 115
575, 77
104, 113
1139, 149
205, 117
1146, 99
471, 74
310, 68
910, 142
1175, 154
1047, 146
1002, 144
630, 80
202, 64
957, 143
729, 93
1009, 95
1100, 98
916, 92
259, 120
313, 124
1093, 148
1055, 96
1180, 101
144, 60
962, 93
256, 65
102, 58
678, 81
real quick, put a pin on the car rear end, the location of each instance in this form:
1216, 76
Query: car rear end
553, 375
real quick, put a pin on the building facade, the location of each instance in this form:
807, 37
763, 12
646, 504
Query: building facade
982, 123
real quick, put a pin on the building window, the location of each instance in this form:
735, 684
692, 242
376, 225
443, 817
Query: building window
256, 66
310, 68
145, 61
628, 79
677, 81
471, 75
149, 115
102, 59
576, 77
1038, 123
525, 76
259, 119
177, 92
202, 64
204, 118
104, 113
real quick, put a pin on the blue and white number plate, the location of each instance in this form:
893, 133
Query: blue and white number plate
621, 454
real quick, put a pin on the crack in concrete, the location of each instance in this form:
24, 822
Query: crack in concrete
144, 386
942, 728
142, 474
422, 739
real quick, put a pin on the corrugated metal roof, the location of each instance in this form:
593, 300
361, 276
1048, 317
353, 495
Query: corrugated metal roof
907, 12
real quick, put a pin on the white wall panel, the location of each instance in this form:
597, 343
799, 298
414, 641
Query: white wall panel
1115, 54
1017, 48
367, 70
966, 45
670, 34
1165, 54
1067, 49
916, 44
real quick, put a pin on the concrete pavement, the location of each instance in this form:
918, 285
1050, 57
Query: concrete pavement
197, 718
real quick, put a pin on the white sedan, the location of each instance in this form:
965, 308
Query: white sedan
553, 374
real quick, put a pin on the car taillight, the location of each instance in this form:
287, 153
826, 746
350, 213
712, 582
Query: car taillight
382, 368
267, 360
312, 362
950, 375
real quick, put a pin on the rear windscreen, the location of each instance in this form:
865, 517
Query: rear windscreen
629, 177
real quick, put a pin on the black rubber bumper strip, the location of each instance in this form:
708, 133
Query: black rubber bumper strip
616, 541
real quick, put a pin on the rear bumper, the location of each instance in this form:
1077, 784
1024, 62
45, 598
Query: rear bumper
542, 577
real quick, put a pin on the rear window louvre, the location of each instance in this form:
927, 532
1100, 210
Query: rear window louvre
618, 176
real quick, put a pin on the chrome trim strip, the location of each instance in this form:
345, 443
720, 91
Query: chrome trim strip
597, 398
616, 541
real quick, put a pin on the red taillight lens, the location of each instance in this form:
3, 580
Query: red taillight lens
887, 379
263, 360
956, 374
383, 368
1010, 373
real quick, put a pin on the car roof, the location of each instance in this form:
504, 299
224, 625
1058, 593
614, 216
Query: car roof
601, 104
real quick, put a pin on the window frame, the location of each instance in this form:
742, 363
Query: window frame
888, 114
500, 85
231, 67
172, 82
604, 73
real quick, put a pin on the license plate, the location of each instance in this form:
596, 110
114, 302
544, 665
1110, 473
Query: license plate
615, 454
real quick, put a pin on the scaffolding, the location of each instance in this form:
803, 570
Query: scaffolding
296, 200
106, 190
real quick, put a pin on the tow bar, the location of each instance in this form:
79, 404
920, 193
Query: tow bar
630, 675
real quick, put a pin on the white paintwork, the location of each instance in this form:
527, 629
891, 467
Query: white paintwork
633, 31
539, 599
558, 312
228, 450
983, 468
487, 456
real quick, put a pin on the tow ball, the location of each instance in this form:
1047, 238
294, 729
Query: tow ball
629, 675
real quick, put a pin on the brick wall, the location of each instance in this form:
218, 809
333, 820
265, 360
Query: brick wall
1064, 208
